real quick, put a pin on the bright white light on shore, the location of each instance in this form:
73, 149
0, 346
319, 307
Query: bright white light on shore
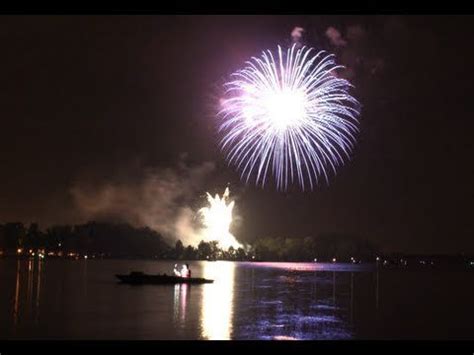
217, 218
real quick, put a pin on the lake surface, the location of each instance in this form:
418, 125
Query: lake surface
67, 299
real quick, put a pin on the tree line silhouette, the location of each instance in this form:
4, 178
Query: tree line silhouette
123, 240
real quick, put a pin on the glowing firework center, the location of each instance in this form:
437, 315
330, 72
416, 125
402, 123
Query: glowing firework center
279, 109
217, 218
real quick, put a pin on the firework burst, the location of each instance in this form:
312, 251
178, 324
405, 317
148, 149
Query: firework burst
217, 219
288, 115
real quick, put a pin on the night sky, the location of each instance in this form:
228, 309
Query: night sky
97, 100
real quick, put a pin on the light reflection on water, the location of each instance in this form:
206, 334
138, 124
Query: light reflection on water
271, 304
275, 301
216, 311
295, 302
26, 301
181, 293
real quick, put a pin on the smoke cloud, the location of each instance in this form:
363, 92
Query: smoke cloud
161, 199
297, 34
335, 37
355, 51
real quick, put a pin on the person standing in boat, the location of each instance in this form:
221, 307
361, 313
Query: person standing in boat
185, 271
176, 271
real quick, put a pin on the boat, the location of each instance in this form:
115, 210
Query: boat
140, 278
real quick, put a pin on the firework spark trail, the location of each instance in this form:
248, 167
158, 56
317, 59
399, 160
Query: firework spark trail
217, 218
291, 115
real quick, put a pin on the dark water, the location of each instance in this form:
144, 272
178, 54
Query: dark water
60, 299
